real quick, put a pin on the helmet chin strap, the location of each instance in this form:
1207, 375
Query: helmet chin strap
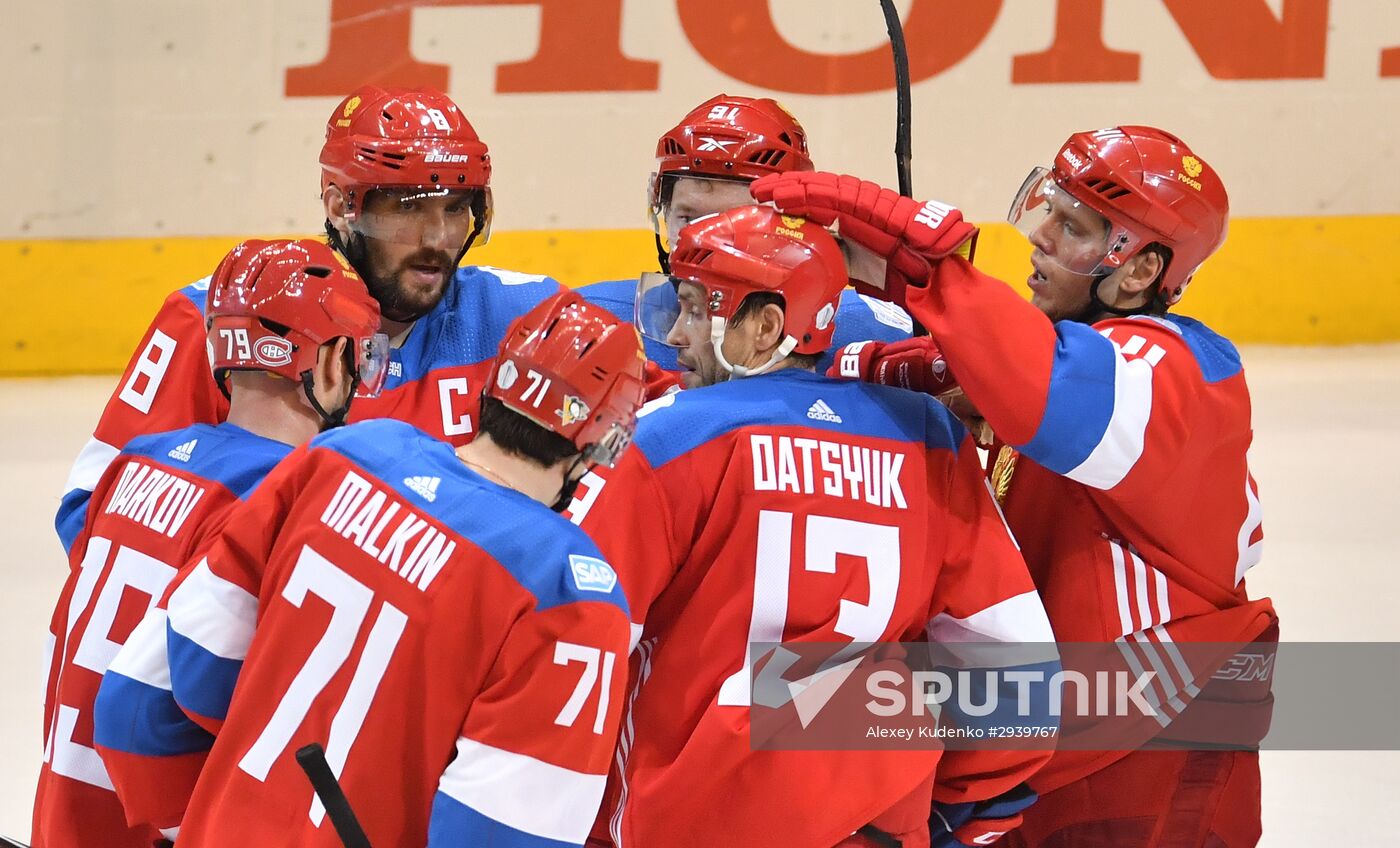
717, 326
333, 418
566, 493
1097, 306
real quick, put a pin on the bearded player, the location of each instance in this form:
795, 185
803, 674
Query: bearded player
406, 192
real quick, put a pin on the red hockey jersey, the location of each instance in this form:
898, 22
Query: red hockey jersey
1126, 479
791, 507
162, 495
456, 647
433, 383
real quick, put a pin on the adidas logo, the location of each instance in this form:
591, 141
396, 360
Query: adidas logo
183, 452
425, 486
819, 411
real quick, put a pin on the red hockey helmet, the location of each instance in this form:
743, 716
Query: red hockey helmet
1149, 186
731, 137
411, 141
741, 252
272, 304
575, 370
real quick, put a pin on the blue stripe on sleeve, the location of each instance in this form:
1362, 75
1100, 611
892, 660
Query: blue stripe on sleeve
1079, 405
971, 692
454, 823
72, 517
138, 718
202, 681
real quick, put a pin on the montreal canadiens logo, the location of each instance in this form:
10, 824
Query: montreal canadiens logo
273, 351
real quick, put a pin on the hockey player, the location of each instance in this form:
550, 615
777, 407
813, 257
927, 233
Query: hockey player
405, 185
704, 165
292, 334
1122, 431
458, 649
742, 514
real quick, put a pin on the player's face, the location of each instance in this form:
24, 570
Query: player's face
408, 273
696, 197
1069, 233
691, 337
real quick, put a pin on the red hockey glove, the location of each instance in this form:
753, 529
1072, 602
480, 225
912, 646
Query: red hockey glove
908, 233
915, 364
659, 381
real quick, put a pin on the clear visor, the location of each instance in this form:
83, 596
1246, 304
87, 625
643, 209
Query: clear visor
1065, 231
372, 364
669, 309
703, 195
442, 219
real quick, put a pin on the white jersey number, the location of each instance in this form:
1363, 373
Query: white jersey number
95, 650
350, 601
877, 544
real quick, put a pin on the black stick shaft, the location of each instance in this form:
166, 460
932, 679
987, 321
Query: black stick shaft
312, 760
903, 146
903, 129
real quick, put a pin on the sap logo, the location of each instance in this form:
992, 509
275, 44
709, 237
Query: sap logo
933, 214
708, 144
592, 574
446, 158
273, 351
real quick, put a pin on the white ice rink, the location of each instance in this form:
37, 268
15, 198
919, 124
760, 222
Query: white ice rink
1326, 456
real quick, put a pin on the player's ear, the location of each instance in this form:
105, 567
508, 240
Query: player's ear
769, 327
1140, 273
334, 370
333, 201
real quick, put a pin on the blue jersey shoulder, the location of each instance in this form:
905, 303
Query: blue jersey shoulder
681, 422
229, 455
1216, 355
860, 318
549, 557
467, 325
198, 293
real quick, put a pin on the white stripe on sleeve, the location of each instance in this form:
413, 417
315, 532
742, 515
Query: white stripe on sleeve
87, 469
143, 658
522, 792
1120, 447
213, 613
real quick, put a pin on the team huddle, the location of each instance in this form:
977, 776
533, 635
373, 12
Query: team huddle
503, 549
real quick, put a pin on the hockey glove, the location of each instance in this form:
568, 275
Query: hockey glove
914, 364
907, 233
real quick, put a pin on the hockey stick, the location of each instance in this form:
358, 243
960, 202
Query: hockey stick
903, 145
312, 760
903, 130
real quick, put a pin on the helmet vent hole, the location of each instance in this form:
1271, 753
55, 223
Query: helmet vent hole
388, 116
769, 158
673, 148
317, 271
785, 139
